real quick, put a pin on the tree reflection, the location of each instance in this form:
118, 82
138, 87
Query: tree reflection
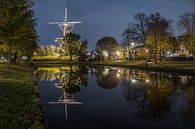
150, 93
158, 94
107, 77
70, 77
189, 112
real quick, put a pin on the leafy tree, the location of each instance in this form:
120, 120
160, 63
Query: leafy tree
158, 34
70, 44
17, 32
108, 44
82, 52
174, 43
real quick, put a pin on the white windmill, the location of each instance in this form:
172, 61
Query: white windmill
65, 26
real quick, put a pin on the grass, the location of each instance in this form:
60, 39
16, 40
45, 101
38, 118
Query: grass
176, 65
51, 57
19, 103
189, 66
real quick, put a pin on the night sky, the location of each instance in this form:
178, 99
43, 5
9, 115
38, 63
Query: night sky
102, 17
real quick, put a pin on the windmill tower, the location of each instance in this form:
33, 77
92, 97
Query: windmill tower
65, 26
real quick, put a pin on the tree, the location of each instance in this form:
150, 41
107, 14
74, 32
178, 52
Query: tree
70, 44
187, 24
17, 32
158, 34
136, 32
129, 36
107, 44
82, 52
174, 44
141, 27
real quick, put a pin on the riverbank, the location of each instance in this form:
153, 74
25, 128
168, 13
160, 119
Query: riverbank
19, 99
182, 67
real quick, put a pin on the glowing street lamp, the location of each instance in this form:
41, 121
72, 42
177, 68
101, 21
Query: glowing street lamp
133, 80
147, 50
118, 53
147, 80
133, 46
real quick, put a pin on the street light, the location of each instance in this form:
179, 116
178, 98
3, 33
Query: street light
147, 54
133, 46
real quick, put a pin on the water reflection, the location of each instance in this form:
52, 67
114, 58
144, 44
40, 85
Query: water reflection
156, 95
69, 80
150, 95
107, 77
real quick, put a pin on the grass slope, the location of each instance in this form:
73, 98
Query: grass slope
19, 103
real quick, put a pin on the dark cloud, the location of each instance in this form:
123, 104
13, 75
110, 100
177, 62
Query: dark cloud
102, 17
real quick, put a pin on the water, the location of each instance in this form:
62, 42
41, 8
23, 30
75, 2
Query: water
78, 97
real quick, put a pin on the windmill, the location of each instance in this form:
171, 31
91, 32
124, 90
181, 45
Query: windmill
65, 26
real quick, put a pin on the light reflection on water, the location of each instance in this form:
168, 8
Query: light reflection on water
106, 97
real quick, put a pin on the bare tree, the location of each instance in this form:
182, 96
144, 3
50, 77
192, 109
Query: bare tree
187, 24
141, 27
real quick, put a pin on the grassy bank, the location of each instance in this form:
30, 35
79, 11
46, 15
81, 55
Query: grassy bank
19, 103
183, 67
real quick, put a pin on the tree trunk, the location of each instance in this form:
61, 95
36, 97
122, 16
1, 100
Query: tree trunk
124, 55
156, 53
9, 57
70, 57
129, 55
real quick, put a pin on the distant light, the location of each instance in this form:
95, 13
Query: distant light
147, 80
57, 55
119, 70
133, 44
133, 80
118, 75
118, 53
56, 40
35, 53
146, 50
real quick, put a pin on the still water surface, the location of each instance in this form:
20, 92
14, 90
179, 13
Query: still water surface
79, 97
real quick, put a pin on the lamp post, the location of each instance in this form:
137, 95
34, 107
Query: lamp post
118, 54
147, 54
133, 51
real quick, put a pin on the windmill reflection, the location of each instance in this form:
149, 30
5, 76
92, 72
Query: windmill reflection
70, 80
65, 98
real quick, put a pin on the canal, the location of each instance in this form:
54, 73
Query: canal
82, 97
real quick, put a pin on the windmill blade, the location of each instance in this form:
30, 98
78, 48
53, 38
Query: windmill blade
56, 102
77, 22
75, 103
58, 23
66, 14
